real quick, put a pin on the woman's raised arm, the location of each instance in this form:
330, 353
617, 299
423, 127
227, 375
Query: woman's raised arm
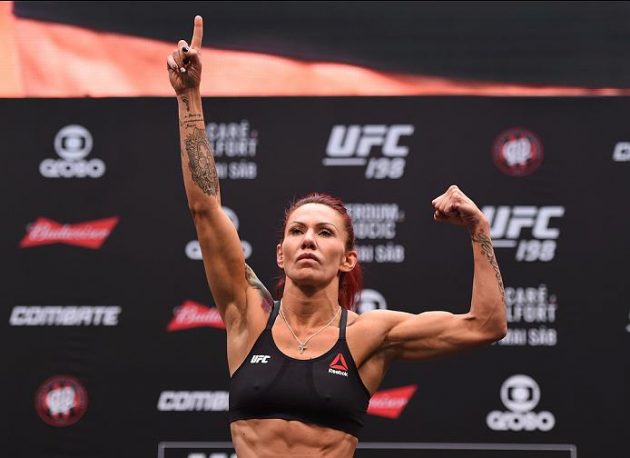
220, 245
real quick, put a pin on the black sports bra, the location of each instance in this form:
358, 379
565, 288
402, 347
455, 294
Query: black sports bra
326, 390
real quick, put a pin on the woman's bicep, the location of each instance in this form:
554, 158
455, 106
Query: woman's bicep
223, 259
432, 334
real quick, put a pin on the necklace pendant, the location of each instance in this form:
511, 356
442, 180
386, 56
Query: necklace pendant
301, 348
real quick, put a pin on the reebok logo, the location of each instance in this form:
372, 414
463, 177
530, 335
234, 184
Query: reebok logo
338, 366
260, 359
91, 234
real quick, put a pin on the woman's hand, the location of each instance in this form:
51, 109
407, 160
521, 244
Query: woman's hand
184, 64
456, 208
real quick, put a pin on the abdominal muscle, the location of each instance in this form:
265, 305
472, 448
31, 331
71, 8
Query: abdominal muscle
262, 438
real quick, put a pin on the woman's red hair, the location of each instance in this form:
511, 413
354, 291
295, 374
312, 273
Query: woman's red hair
350, 283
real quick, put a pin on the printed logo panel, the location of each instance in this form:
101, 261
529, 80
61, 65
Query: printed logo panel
67, 315
377, 147
517, 152
391, 403
520, 394
234, 147
91, 234
531, 314
61, 401
72, 143
528, 228
375, 226
192, 315
193, 401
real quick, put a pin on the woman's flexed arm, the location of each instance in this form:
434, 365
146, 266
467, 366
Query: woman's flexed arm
220, 245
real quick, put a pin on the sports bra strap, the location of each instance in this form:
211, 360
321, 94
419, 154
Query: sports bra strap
342, 324
273, 314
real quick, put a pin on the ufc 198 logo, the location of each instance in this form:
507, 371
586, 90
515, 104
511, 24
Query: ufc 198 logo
509, 224
352, 146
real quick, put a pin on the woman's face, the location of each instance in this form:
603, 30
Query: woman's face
313, 251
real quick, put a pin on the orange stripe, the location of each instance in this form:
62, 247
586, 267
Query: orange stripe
67, 61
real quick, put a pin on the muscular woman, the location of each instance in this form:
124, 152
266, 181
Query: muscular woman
303, 369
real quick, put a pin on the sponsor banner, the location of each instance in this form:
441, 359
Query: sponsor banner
61, 401
391, 403
531, 314
91, 234
192, 315
520, 394
532, 230
66, 315
375, 227
517, 152
621, 153
370, 299
379, 149
234, 145
72, 144
193, 401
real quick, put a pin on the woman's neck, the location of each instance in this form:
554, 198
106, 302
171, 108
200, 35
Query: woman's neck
309, 308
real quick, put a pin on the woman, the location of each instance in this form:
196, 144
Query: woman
300, 384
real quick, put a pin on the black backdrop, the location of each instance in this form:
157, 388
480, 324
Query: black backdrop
103, 289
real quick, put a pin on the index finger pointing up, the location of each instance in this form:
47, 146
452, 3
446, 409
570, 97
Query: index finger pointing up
197, 33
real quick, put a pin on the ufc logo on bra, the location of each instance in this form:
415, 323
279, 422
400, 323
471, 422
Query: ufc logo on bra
260, 359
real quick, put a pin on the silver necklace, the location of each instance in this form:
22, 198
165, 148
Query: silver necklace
302, 345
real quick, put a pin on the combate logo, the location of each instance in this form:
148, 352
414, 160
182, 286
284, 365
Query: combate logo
359, 146
517, 152
61, 401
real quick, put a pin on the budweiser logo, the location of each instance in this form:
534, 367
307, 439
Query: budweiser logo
391, 403
193, 315
91, 234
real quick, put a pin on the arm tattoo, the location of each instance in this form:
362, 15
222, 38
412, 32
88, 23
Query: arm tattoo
486, 249
191, 120
186, 101
254, 282
201, 162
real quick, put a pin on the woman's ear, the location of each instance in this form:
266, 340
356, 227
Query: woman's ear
279, 256
349, 261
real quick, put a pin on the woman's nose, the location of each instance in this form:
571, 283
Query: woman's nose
309, 239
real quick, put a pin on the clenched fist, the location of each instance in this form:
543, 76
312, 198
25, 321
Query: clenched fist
455, 207
184, 64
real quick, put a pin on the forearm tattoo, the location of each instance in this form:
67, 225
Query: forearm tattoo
186, 101
191, 120
201, 162
488, 252
254, 282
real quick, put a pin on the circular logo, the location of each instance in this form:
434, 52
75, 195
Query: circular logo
61, 401
73, 142
520, 393
371, 299
517, 152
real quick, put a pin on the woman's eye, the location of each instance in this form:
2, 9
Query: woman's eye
295, 230
326, 233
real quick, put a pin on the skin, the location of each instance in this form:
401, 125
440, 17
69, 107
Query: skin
375, 338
